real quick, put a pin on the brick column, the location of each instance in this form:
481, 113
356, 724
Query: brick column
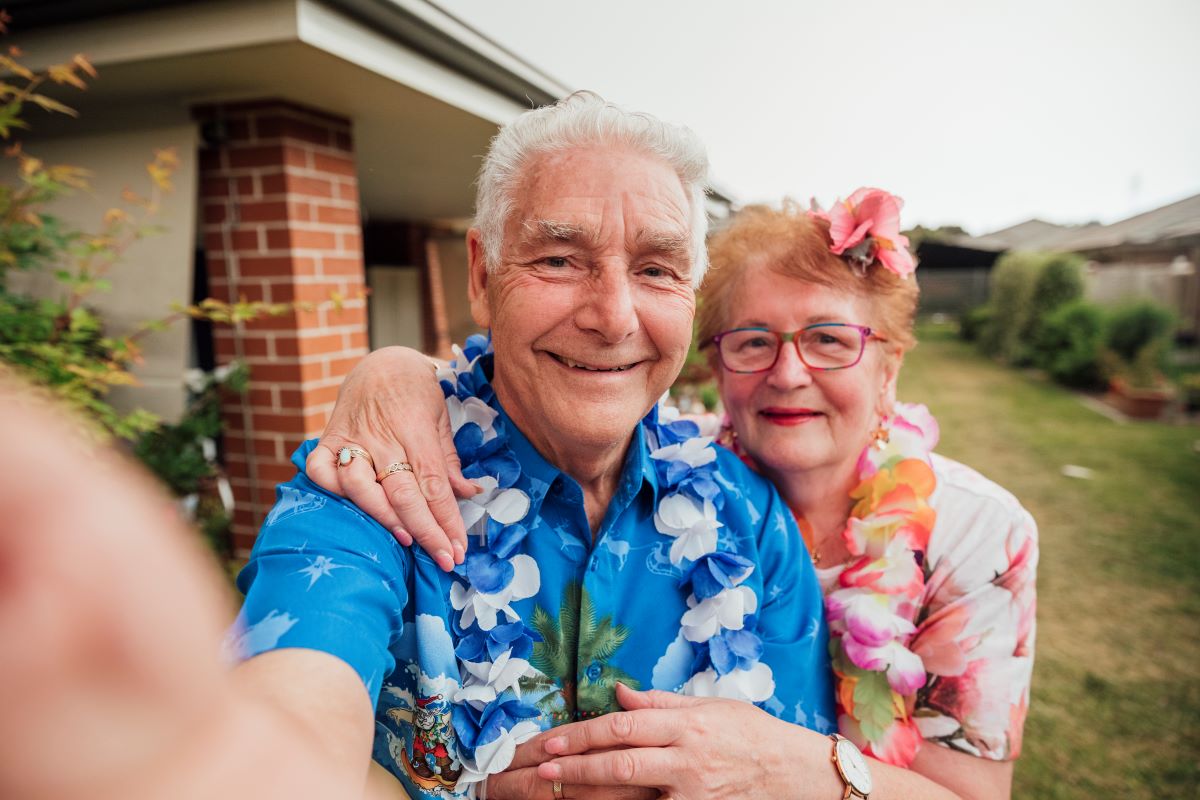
280, 208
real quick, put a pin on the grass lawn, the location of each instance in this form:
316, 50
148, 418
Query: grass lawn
1116, 688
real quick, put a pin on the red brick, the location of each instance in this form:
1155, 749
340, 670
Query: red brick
294, 156
268, 448
311, 187
254, 291
336, 165
315, 422
314, 292
333, 215
212, 160
347, 315
264, 421
318, 396
352, 242
245, 239
308, 345
214, 188
215, 213
342, 366
357, 340
254, 346
273, 183
293, 320
276, 472
314, 240
279, 239
245, 157
258, 266
292, 373
332, 265
348, 190
300, 212
260, 397
287, 127
214, 242
269, 211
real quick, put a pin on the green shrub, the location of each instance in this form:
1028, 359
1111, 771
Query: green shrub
1013, 279
974, 322
1059, 281
1137, 326
1070, 345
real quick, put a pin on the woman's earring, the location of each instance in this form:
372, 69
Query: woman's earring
880, 437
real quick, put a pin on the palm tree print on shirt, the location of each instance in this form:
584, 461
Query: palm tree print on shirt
574, 657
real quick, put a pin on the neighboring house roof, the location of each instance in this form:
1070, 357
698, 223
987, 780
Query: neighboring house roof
1032, 234
1178, 219
1172, 221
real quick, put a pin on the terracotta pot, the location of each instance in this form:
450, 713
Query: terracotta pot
1140, 403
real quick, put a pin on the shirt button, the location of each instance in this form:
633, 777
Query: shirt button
593, 671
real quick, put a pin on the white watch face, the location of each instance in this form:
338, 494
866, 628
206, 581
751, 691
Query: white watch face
854, 766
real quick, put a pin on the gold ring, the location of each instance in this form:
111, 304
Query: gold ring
393, 468
556, 787
348, 454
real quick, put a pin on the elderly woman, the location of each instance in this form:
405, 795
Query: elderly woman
927, 566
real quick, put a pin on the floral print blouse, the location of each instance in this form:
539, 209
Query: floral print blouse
975, 629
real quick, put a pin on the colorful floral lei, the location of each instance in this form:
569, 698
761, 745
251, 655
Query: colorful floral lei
493, 643
877, 595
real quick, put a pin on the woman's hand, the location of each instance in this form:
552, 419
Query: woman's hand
687, 748
391, 407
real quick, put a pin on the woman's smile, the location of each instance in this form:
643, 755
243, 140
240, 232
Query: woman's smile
785, 415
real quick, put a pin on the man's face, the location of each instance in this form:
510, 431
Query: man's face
591, 305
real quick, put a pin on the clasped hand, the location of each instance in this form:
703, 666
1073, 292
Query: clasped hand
662, 745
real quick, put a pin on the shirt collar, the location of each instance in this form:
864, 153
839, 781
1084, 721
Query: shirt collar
638, 471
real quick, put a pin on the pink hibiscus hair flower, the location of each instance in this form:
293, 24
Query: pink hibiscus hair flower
865, 228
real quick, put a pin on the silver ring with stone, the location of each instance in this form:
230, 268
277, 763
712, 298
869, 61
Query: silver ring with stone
393, 468
347, 454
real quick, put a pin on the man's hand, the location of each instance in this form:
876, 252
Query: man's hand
391, 407
111, 615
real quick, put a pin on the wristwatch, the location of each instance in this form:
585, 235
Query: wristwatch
852, 767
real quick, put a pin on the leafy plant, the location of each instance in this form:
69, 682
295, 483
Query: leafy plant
1070, 345
973, 322
1136, 326
63, 343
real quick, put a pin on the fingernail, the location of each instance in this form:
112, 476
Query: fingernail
402, 535
550, 771
459, 553
444, 560
556, 745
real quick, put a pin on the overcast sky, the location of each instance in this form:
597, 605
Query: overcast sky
979, 114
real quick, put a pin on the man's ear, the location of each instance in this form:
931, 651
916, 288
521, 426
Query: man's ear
477, 284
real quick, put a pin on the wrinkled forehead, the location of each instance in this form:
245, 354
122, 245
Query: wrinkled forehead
589, 195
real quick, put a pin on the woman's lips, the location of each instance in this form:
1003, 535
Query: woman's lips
789, 416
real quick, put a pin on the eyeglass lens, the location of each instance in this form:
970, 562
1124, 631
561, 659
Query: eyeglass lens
822, 346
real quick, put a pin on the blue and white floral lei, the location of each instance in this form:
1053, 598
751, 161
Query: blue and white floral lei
493, 642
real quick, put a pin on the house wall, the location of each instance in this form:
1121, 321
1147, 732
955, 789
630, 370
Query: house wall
394, 306
452, 250
952, 290
1174, 285
154, 272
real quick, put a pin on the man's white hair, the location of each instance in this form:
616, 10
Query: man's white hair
582, 119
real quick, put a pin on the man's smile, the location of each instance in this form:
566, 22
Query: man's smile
570, 362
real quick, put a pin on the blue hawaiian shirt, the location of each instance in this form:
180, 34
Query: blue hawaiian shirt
325, 576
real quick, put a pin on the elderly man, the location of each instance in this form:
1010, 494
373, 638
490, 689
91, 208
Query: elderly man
608, 546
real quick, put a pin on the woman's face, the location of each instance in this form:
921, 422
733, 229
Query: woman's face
791, 419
